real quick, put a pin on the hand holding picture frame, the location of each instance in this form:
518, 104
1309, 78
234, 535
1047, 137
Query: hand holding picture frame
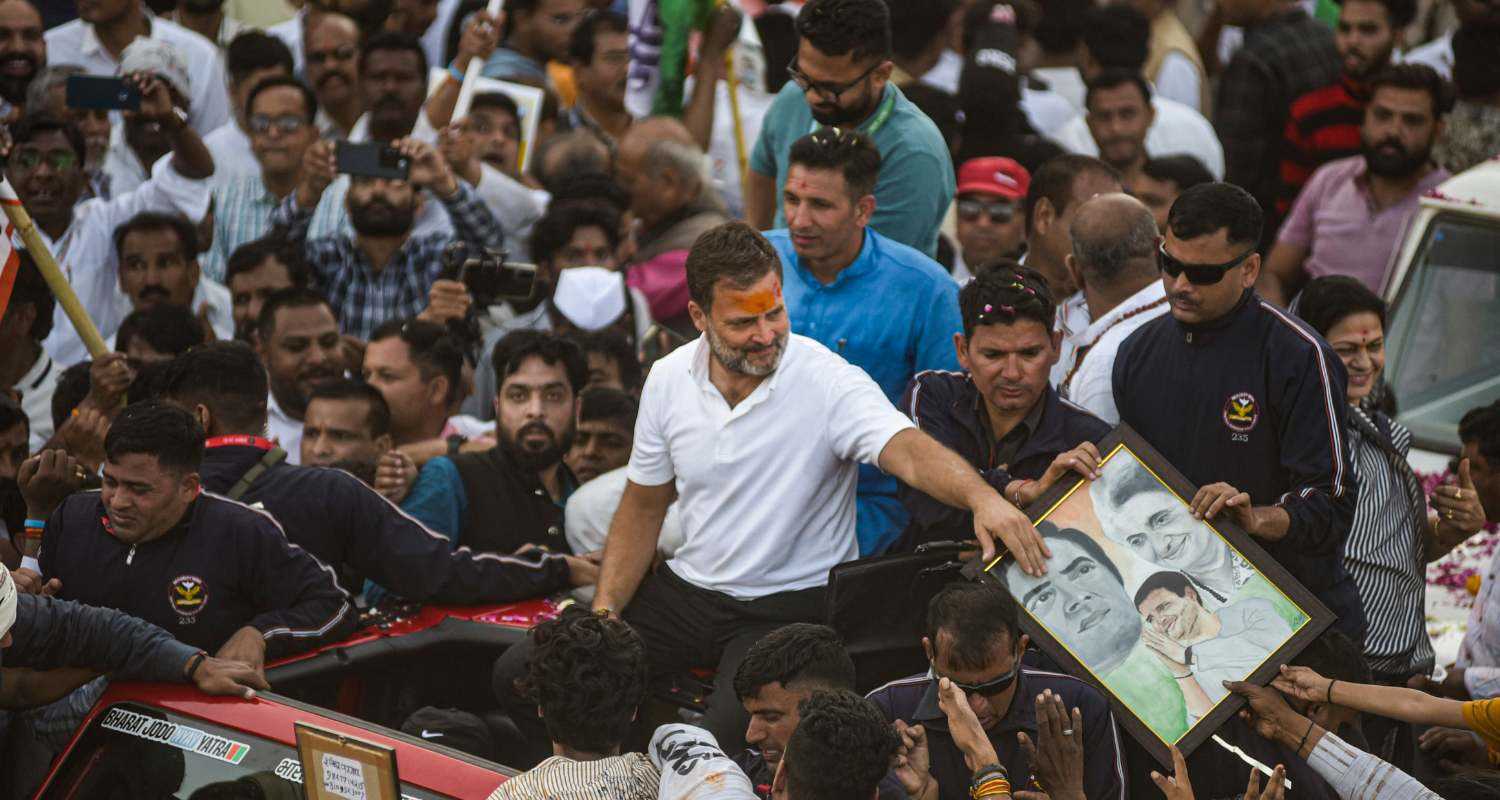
1155, 607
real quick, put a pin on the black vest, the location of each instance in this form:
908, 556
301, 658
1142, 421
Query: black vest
507, 506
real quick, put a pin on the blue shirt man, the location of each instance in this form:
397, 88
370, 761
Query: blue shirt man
841, 77
879, 304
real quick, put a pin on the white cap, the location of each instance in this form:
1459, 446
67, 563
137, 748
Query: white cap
160, 59
7, 601
590, 297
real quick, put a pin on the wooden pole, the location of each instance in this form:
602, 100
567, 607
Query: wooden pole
56, 280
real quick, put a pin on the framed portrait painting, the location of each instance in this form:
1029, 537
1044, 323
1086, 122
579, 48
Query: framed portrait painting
1152, 606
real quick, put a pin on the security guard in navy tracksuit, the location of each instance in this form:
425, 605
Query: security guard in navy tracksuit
1245, 399
330, 512
209, 570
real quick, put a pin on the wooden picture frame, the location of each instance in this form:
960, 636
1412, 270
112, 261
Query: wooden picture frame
1140, 535
336, 766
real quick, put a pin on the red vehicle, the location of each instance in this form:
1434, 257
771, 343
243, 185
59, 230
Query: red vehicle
160, 741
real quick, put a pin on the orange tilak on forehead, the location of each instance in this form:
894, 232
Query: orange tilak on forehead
756, 302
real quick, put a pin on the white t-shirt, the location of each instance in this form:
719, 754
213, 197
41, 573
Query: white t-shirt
591, 508
1178, 79
1177, 130
76, 43
1437, 54
1066, 81
282, 429
1091, 384
765, 489
233, 158
36, 388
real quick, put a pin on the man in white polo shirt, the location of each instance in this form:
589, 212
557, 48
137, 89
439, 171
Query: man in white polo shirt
758, 434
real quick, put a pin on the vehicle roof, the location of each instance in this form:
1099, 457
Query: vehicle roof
270, 716
1476, 188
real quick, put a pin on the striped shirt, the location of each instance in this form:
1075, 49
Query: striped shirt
1322, 125
1357, 775
242, 213
1384, 550
363, 297
625, 777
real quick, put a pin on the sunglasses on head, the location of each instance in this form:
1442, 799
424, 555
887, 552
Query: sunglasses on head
1198, 274
999, 210
992, 686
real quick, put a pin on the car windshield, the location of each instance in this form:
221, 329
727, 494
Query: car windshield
1443, 347
137, 752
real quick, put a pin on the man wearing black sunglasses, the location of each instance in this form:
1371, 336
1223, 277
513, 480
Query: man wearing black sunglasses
841, 77
1244, 398
973, 639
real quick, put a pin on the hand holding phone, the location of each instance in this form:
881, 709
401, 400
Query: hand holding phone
102, 93
372, 160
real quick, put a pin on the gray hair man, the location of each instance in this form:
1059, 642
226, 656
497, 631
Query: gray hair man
1114, 265
662, 168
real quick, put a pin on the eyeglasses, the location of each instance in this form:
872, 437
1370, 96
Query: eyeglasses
829, 92
1198, 274
990, 687
58, 160
998, 211
287, 123
345, 53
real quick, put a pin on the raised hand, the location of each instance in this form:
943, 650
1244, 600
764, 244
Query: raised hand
319, 168
428, 168
46, 479
1057, 757
1176, 787
912, 763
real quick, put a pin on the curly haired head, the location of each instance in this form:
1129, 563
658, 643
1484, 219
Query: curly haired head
841, 749
587, 674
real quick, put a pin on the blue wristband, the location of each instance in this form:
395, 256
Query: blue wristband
36, 523
455, 73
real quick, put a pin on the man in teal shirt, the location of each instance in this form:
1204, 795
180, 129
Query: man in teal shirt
883, 306
841, 77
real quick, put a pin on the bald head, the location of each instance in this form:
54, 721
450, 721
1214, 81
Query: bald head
662, 142
1114, 242
661, 167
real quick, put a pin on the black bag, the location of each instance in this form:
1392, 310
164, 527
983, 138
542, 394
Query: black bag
878, 605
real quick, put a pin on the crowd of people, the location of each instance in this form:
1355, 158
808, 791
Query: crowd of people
770, 320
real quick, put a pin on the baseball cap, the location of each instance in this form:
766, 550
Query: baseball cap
450, 727
994, 175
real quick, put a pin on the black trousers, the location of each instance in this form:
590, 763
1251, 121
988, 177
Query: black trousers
684, 627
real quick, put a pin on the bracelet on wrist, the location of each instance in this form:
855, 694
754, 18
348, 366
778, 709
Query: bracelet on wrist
1329, 698
1310, 726
35, 523
194, 663
455, 73
990, 781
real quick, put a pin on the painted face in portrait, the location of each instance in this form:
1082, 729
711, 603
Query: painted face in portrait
1081, 600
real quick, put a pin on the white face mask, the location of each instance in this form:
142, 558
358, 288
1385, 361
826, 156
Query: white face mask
7, 601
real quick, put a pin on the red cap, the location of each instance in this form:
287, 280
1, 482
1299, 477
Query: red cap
994, 175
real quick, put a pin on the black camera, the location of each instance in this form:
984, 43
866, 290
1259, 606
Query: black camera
487, 274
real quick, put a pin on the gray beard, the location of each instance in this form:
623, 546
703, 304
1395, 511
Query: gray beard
736, 361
